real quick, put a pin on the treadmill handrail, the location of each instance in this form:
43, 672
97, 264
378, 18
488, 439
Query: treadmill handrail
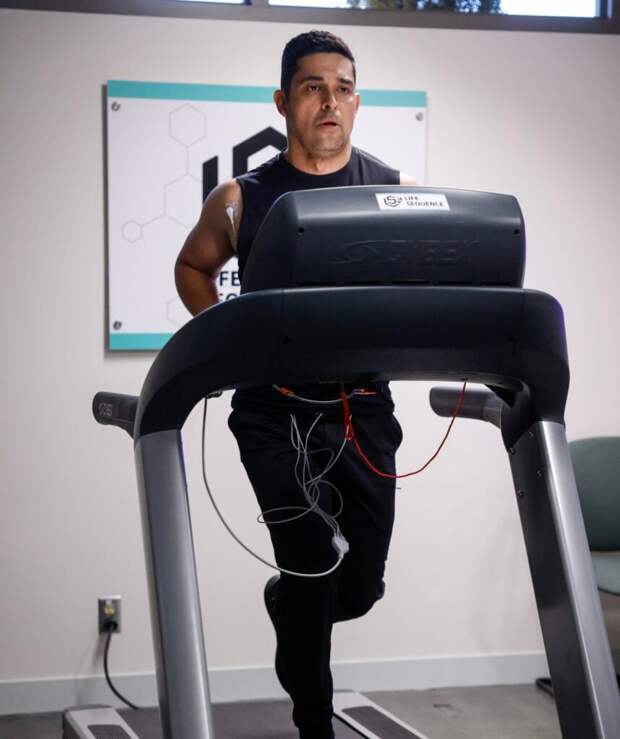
116, 409
508, 338
482, 405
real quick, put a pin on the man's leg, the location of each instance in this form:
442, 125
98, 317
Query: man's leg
304, 609
368, 515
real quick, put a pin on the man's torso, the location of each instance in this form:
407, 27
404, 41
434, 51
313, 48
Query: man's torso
260, 189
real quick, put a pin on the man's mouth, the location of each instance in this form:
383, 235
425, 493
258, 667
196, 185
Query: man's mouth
328, 123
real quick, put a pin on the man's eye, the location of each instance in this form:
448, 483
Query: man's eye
313, 88
345, 90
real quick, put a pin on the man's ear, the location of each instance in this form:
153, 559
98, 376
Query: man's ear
280, 100
357, 102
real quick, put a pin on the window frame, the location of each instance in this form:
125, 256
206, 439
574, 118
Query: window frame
261, 11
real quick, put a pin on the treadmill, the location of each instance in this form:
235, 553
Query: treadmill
357, 285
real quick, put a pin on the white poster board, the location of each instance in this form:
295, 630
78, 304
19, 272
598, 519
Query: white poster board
168, 145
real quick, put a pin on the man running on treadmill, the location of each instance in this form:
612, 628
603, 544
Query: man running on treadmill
318, 100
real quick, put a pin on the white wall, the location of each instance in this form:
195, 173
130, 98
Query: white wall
536, 115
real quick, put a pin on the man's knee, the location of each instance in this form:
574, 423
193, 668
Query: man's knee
356, 603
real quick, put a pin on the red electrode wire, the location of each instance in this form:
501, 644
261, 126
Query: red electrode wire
350, 435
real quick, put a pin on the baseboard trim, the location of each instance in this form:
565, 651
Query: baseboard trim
260, 682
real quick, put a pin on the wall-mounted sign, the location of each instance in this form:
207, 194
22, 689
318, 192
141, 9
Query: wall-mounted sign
168, 145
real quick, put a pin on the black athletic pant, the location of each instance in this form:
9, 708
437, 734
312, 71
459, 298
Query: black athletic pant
306, 608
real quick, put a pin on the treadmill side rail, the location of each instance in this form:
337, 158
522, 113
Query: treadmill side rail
569, 607
182, 679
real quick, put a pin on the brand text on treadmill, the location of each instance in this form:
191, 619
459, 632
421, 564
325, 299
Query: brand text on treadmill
411, 201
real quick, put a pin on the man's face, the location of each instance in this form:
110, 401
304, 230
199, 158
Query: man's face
321, 105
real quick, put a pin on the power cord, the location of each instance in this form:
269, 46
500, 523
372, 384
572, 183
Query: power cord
110, 630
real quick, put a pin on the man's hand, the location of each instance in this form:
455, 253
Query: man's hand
210, 244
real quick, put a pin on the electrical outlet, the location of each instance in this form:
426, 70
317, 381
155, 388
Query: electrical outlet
110, 614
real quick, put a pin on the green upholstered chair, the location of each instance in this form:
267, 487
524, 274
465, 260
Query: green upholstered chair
596, 462
597, 470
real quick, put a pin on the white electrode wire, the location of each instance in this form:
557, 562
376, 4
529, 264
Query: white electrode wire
290, 394
296, 444
314, 483
310, 483
307, 482
232, 533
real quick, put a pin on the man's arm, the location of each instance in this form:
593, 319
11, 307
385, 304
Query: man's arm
210, 244
406, 179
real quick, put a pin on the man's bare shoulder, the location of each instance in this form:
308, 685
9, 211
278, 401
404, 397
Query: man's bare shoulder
228, 191
222, 211
406, 179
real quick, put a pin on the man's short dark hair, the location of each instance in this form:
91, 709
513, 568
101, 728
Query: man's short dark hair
313, 42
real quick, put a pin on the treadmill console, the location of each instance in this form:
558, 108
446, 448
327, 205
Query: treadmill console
388, 235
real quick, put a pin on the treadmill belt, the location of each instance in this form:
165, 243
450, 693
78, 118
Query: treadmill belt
378, 723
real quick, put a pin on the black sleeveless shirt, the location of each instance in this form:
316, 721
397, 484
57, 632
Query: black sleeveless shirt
260, 188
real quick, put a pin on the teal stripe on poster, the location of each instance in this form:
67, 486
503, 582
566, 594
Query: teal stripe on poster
246, 94
142, 342
183, 91
394, 98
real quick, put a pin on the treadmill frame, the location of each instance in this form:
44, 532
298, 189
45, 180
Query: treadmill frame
510, 339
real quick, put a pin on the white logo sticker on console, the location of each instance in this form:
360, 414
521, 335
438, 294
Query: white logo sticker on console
412, 201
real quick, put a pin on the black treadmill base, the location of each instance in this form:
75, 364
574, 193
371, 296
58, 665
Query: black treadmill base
355, 716
266, 720
370, 720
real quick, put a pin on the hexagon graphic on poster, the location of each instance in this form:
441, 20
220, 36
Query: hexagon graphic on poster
180, 198
187, 125
132, 231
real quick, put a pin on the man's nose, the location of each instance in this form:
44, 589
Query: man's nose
329, 101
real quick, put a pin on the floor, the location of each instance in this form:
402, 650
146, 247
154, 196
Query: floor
502, 712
